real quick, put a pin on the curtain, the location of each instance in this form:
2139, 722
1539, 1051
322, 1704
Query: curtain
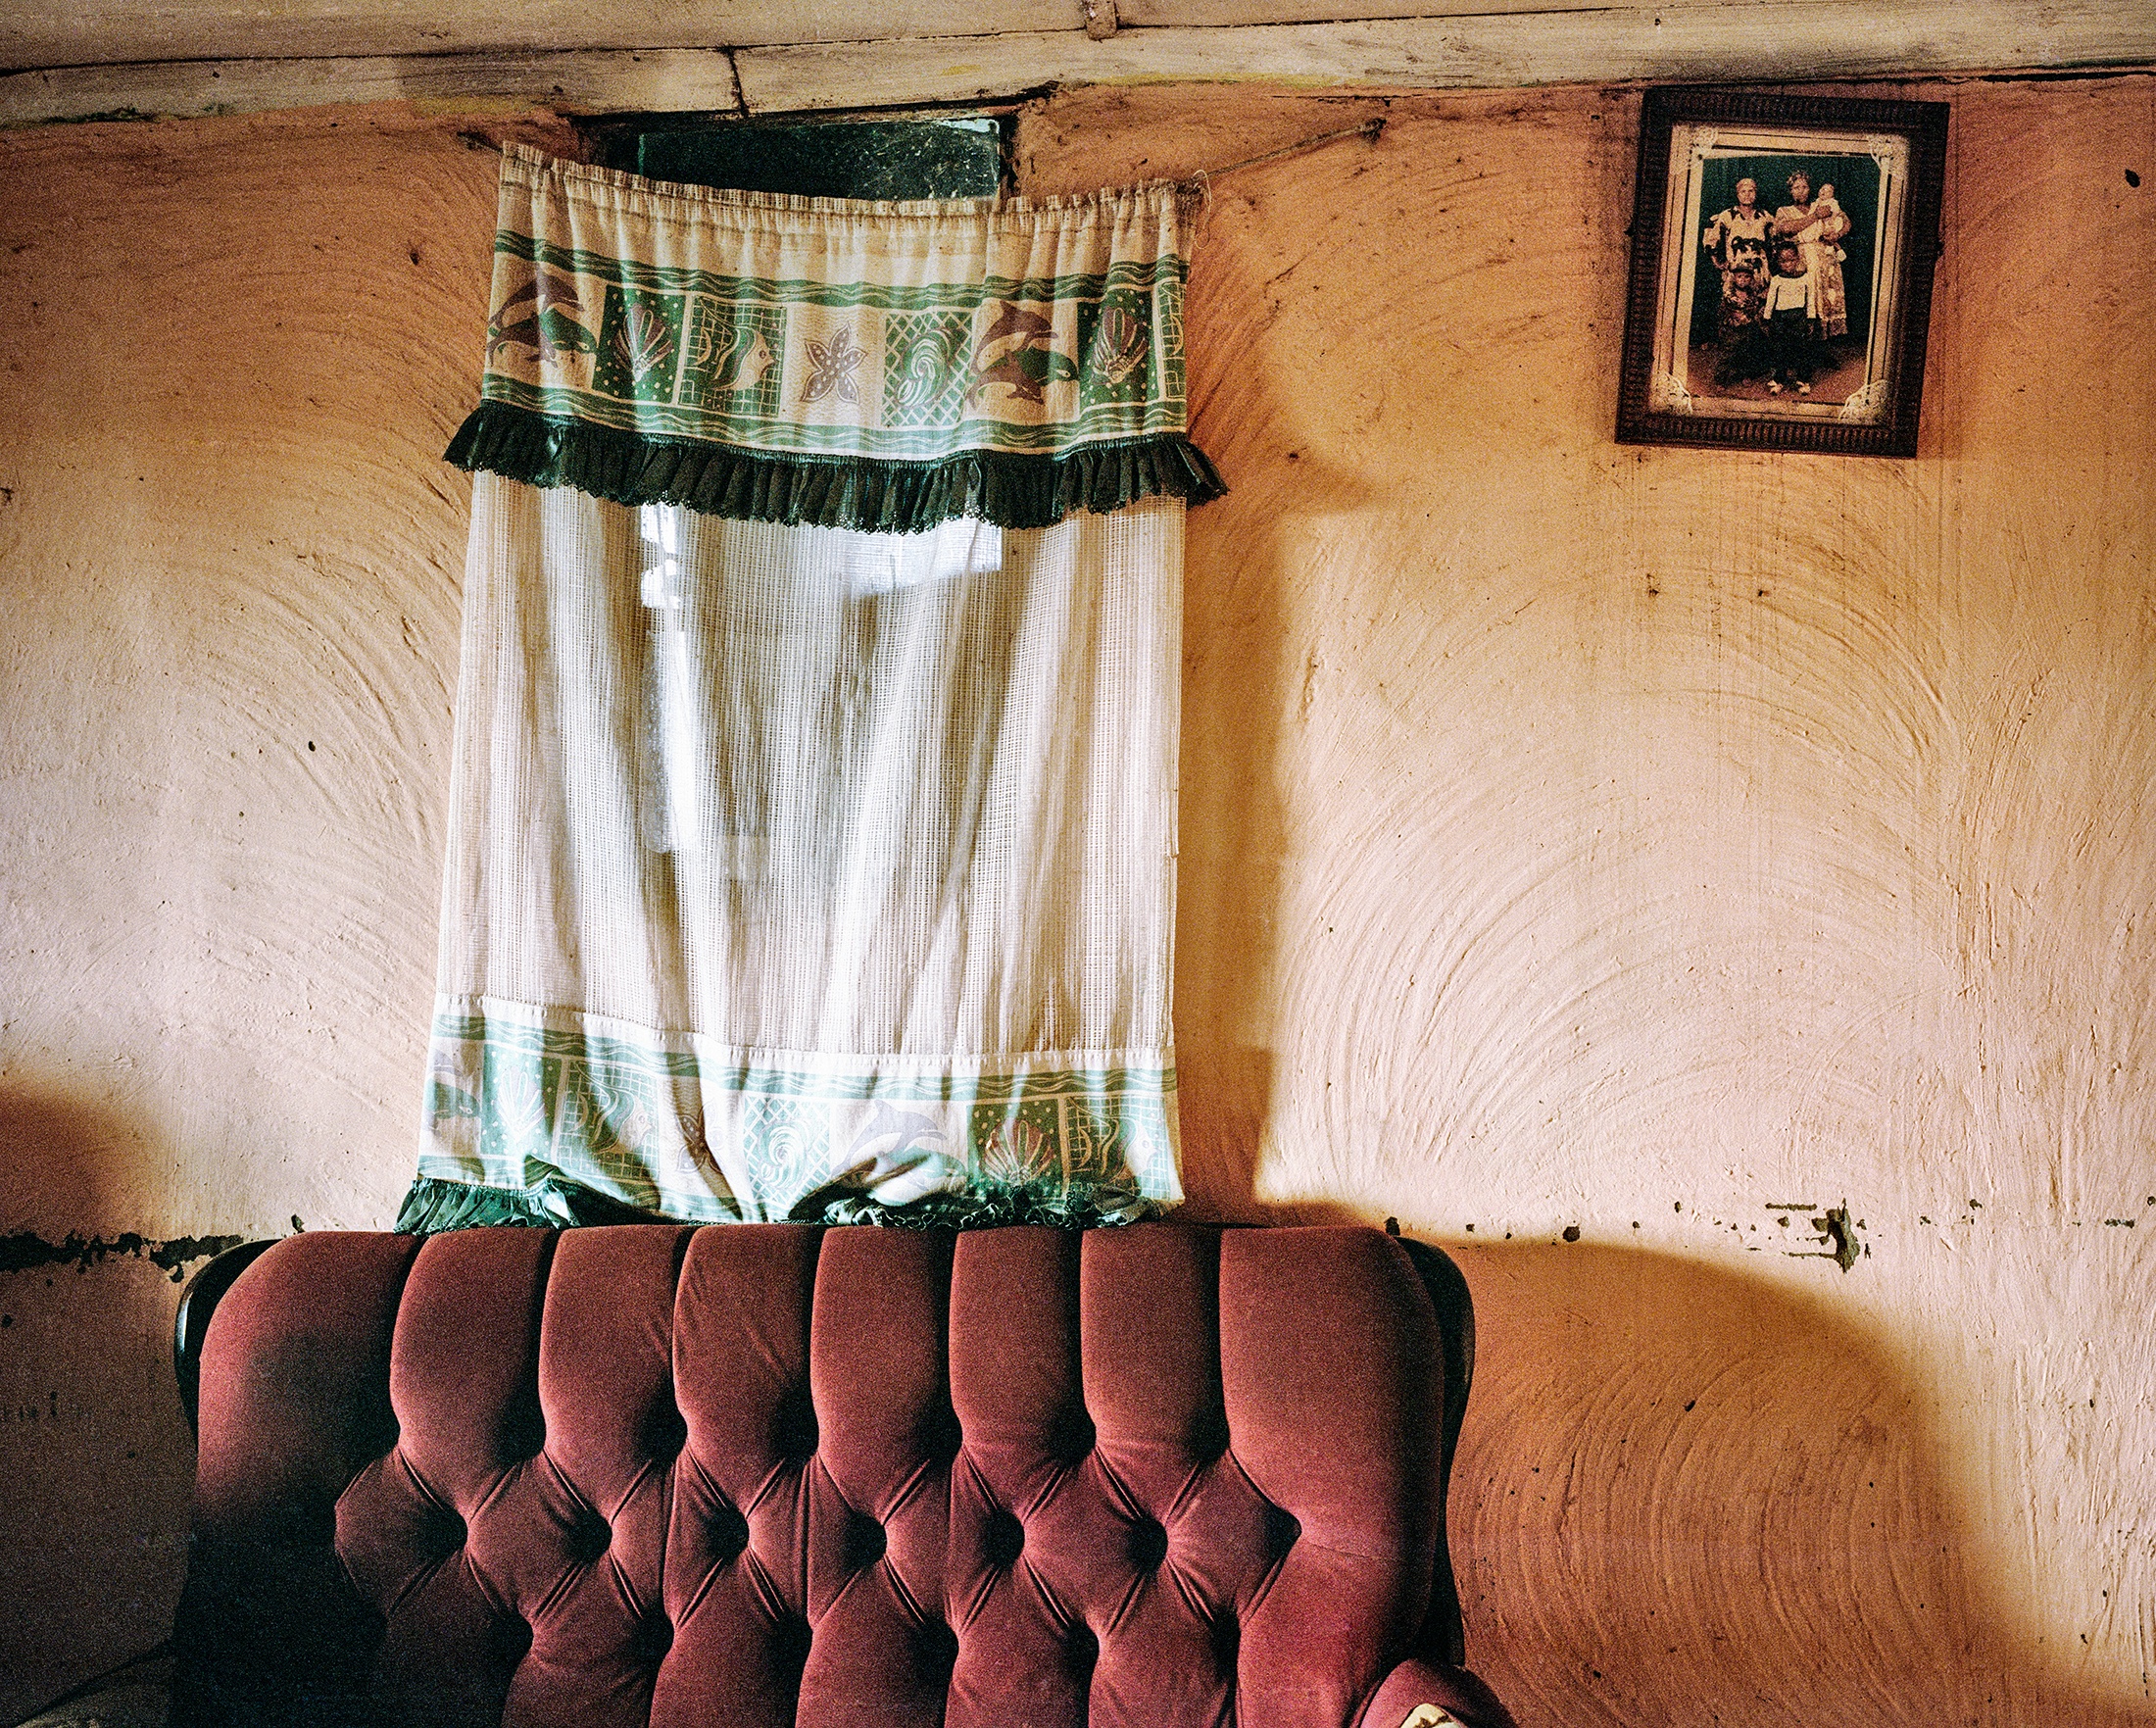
812, 821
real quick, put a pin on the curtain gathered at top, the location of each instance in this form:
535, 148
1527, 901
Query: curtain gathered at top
813, 824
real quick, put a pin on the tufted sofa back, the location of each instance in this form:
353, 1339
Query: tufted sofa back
770, 1474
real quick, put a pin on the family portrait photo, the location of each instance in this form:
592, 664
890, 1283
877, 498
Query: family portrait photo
1779, 291
1781, 306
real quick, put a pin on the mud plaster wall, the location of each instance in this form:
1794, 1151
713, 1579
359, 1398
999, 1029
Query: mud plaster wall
1659, 847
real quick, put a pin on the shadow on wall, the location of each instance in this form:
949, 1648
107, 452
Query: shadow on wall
61, 1157
1232, 818
1682, 1495
93, 1448
1686, 1495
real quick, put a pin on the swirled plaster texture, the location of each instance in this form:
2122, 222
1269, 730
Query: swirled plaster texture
1606, 861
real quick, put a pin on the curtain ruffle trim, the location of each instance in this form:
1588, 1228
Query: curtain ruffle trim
877, 496
432, 1206
984, 1206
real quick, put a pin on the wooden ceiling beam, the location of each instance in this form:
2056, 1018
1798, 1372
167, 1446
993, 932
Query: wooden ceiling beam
85, 32
1772, 41
628, 81
1766, 41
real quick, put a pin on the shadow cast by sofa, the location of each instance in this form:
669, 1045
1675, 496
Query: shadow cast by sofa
1688, 1494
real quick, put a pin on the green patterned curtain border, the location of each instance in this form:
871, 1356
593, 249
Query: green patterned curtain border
832, 362
831, 492
547, 1117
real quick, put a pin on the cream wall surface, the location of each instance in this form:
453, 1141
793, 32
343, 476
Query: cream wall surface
1658, 845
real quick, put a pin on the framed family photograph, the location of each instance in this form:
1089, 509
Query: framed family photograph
1782, 254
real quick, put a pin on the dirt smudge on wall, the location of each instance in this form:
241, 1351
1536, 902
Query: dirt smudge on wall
25, 1251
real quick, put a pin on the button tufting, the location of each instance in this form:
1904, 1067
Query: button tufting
729, 1533
940, 1437
1070, 1436
654, 1635
790, 1640
441, 1532
793, 1431
1208, 1437
864, 1542
666, 1433
1282, 1531
376, 1433
1003, 1538
511, 1639
1227, 1640
1084, 1647
939, 1645
1148, 1543
588, 1537
524, 1428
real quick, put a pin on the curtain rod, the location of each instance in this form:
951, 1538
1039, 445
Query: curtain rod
1200, 181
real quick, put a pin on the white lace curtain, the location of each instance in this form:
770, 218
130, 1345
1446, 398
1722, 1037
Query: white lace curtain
814, 810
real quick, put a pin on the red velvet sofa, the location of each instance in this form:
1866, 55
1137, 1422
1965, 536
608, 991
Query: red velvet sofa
777, 1474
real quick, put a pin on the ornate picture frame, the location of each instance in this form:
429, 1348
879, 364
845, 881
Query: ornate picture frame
1781, 285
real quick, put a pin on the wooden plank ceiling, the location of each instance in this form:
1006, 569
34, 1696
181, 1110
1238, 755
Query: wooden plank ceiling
67, 59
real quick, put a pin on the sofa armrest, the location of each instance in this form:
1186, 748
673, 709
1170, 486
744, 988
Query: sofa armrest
191, 1324
1442, 1634
1428, 1695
